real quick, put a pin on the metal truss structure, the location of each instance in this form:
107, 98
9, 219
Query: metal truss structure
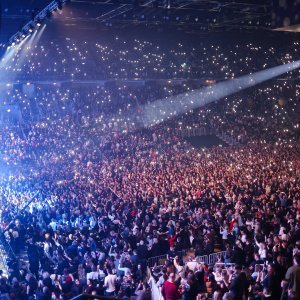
207, 14
39, 17
201, 15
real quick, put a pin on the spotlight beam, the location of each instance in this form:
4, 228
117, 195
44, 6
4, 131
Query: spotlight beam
16, 55
164, 109
10, 52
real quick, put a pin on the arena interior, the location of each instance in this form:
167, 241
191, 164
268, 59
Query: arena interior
149, 149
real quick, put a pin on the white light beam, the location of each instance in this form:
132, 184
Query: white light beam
163, 109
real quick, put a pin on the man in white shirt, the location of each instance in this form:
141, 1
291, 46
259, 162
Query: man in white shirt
53, 225
124, 269
94, 275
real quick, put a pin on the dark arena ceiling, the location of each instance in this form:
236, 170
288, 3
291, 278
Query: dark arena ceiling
202, 16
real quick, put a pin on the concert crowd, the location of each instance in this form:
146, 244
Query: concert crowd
88, 195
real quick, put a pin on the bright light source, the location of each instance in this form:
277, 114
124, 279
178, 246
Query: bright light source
163, 109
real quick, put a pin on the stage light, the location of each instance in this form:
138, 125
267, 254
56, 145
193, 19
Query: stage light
164, 109
37, 21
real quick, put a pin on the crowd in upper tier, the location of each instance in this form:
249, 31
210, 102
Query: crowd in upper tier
111, 193
127, 55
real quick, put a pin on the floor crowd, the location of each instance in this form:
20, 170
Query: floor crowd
112, 194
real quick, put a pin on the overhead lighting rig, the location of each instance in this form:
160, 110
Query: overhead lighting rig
28, 28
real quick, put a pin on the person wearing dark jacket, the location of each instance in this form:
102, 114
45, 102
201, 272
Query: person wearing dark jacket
142, 253
239, 285
272, 282
44, 294
155, 249
142, 250
238, 255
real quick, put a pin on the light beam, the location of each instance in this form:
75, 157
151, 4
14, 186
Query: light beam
167, 108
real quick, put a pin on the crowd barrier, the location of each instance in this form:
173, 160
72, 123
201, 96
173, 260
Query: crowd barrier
196, 130
92, 297
7, 255
210, 259
156, 260
160, 260
216, 257
3, 263
224, 264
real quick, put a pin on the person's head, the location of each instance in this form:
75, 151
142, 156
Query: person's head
15, 281
45, 290
227, 296
172, 277
217, 295
266, 292
256, 256
89, 282
46, 275
65, 272
238, 269
297, 259
3, 280
262, 246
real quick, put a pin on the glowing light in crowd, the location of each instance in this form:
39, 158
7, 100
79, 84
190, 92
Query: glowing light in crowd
164, 109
